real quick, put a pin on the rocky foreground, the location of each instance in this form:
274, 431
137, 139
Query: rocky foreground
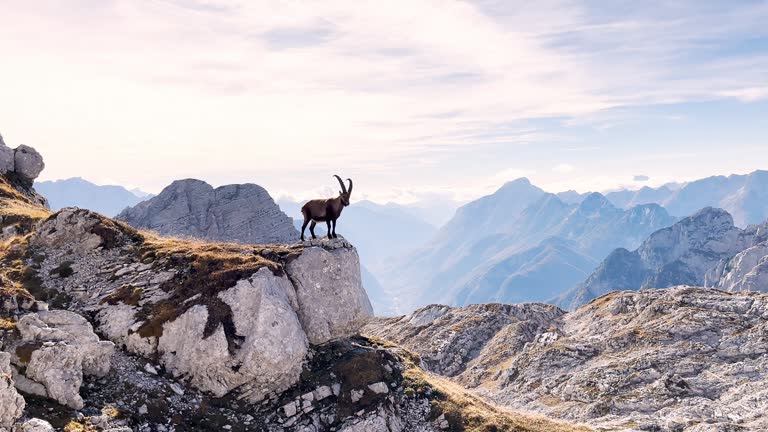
105, 327
677, 359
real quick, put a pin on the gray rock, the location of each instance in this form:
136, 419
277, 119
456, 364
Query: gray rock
69, 350
7, 159
234, 213
662, 359
332, 303
33, 425
271, 355
28, 162
11, 402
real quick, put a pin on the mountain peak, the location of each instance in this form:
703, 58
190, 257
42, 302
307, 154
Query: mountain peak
595, 202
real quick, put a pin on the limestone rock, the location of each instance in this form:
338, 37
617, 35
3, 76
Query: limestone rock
662, 359
81, 230
7, 158
331, 299
11, 402
747, 271
63, 348
33, 425
233, 213
28, 162
272, 347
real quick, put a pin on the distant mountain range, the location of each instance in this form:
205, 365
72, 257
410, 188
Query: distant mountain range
745, 197
705, 249
77, 192
518, 244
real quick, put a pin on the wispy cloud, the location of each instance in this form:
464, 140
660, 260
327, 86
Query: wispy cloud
171, 88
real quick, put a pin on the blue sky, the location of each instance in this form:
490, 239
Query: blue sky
417, 99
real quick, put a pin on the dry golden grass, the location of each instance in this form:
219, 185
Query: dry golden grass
23, 209
476, 415
75, 426
6, 324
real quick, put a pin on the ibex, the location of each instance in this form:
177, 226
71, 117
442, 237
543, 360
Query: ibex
326, 210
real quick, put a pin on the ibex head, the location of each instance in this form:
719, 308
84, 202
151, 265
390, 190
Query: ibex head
344, 193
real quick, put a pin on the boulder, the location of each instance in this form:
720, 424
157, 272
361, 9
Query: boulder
34, 425
271, 345
61, 347
11, 403
28, 162
332, 302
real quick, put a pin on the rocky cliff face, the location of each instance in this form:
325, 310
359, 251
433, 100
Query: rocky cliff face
233, 213
689, 252
677, 359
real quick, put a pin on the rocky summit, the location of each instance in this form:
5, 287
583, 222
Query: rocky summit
677, 359
233, 213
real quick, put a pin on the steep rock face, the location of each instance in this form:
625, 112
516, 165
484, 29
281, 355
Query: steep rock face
272, 342
222, 317
667, 359
331, 304
233, 213
11, 402
684, 253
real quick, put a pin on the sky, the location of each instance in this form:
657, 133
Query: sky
413, 99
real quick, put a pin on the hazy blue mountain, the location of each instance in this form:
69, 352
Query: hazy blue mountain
533, 275
682, 254
644, 195
76, 192
571, 196
518, 244
745, 197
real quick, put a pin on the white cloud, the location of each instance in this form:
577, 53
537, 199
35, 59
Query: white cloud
146, 92
563, 168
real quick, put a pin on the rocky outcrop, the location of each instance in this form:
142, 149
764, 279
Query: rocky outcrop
455, 341
665, 359
23, 161
225, 318
685, 253
11, 402
19, 168
330, 303
57, 348
233, 213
